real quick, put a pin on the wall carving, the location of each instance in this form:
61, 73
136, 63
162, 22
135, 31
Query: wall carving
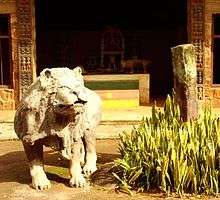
25, 54
196, 16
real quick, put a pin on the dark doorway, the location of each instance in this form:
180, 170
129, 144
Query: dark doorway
4, 50
216, 49
69, 35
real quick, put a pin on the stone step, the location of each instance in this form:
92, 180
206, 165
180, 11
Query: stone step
114, 121
7, 131
105, 130
112, 129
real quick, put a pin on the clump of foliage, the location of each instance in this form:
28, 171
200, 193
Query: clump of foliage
166, 153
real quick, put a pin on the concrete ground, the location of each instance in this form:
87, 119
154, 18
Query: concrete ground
113, 121
15, 181
15, 178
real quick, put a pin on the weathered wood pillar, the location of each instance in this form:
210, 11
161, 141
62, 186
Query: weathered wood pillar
185, 80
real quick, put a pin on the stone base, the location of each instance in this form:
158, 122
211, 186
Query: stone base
7, 101
143, 80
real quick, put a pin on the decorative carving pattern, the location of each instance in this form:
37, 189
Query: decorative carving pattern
197, 37
25, 78
24, 16
200, 76
24, 58
199, 52
200, 92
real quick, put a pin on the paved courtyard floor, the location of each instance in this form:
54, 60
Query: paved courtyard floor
15, 179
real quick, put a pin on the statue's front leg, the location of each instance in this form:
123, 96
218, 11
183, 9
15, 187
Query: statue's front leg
90, 153
34, 154
76, 177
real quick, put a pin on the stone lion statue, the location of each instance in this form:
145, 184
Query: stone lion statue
58, 111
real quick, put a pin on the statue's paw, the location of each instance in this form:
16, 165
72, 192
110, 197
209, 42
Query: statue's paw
89, 168
77, 181
41, 182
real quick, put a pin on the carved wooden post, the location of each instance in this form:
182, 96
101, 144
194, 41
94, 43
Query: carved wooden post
26, 44
196, 36
185, 77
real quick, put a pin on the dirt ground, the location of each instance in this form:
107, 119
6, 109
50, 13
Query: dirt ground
15, 179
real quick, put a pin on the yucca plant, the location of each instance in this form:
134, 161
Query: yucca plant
166, 153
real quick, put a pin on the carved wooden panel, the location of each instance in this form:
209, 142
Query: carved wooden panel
24, 18
196, 12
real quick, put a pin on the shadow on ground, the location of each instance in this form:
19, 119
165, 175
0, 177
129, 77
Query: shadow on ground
103, 176
14, 168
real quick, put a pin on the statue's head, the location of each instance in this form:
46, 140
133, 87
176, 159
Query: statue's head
68, 101
65, 88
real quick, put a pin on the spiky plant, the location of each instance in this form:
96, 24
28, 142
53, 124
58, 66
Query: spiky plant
166, 153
